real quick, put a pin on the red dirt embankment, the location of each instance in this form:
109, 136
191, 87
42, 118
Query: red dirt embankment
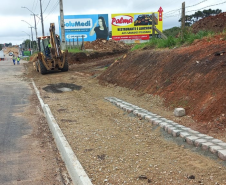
212, 23
193, 77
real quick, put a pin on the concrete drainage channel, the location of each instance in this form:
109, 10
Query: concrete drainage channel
192, 137
75, 169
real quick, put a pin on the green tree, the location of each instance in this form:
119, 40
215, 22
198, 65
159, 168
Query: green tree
27, 43
197, 15
190, 19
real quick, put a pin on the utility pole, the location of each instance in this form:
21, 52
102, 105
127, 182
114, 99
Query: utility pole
35, 33
43, 33
35, 27
32, 36
33, 14
63, 46
182, 20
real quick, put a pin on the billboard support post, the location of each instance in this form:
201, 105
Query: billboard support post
153, 26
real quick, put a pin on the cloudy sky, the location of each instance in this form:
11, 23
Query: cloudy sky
14, 30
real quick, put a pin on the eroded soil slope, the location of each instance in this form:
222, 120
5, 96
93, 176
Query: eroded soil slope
193, 77
212, 23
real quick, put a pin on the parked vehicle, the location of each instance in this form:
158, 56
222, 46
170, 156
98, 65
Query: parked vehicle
2, 56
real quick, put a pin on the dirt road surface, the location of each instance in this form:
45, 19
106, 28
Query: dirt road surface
28, 154
113, 147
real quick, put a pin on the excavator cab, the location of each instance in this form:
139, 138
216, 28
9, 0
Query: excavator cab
50, 56
43, 43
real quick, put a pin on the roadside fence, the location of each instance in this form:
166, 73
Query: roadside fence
75, 42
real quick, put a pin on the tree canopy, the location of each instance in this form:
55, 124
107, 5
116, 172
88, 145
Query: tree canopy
190, 19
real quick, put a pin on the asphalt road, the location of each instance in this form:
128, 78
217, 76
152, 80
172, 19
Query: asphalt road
14, 95
22, 159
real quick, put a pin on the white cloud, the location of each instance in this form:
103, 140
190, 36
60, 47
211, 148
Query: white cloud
11, 13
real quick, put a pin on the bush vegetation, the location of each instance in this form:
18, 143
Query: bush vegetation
74, 50
174, 39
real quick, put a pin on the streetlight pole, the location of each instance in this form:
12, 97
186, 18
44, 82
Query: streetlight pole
29, 37
34, 20
31, 32
43, 34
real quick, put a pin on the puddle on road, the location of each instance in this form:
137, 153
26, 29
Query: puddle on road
61, 87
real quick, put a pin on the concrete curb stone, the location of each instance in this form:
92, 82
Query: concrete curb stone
222, 154
199, 142
214, 149
216, 141
191, 139
184, 134
75, 169
176, 133
205, 146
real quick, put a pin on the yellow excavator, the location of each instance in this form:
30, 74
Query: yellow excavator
50, 56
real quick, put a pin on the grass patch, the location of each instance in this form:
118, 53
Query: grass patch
171, 41
74, 50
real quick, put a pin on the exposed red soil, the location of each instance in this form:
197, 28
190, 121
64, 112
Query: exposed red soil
212, 23
192, 77
106, 45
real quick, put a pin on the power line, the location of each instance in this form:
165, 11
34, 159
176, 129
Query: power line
54, 7
185, 7
47, 6
33, 5
168, 16
207, 6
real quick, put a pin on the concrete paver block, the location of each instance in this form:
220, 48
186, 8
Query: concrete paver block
193, 131
214, 149
169, 129
179, 112
118, 104
135, 112
129, 110
173, 123
170, 121
208, 137
222, 154
176, 132
190, 139
163, 124
205, 146
186, 129
180, 126
164, 119
184, 134
148, 118
156, 121
216, 141
222, 144
124, 107
199, 142
141, 114
201, 135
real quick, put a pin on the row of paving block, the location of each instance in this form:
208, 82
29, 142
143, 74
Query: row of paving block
192, 137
